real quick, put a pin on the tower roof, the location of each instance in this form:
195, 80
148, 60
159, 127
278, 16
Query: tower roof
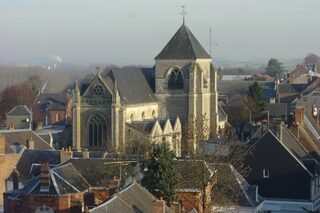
183, 45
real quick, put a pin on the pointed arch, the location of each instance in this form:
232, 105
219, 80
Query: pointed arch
174, 78
97, 129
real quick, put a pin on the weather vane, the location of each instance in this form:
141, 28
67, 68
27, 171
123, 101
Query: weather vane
183, 13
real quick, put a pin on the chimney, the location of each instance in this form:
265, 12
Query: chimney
44, 177
2, 144
86, 154
65, 154
158, 206
30, 143
299, 115
15, 180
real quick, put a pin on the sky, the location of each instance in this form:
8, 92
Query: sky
134, 31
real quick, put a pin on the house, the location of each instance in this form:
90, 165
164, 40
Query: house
52, 109
278, 161
234, 92
232, 193
195, 181
18, 140
260, 77
300, 75
132, 199
59, 189
20, 117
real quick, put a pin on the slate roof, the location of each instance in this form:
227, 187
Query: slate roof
64, 179
188, 174
132, 199
16, 140
29, 163
52, 100
132, 84
231, 188
183, 45
144, 126
21, 110
98, 172
277, 110
230, 88
288, 141
291, 88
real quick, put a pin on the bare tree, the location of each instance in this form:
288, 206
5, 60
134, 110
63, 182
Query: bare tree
218, 151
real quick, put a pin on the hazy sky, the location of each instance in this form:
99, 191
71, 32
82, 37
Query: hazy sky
135, 31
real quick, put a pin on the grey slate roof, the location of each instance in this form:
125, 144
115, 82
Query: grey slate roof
188, 174
16, 140
183, 45
231, 188
230, 88
52, 100
132, 199
291, 88
132, 84
19, 111
277, 110
98, 172
145, 126
28, 165
64, 179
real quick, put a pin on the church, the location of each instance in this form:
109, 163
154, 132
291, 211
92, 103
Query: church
129, 110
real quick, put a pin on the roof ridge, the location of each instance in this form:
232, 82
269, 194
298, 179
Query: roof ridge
190, 41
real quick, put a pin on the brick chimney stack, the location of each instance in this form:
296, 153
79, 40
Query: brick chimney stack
44, 177
2, 145
30, 143
158, 206
65, 154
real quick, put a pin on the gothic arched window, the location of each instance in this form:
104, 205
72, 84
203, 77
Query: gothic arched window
175, 79
97, 130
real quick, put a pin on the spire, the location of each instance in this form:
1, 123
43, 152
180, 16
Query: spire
183, 13
183, 45
98, 70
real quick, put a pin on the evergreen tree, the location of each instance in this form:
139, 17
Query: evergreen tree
255, 98
160, 176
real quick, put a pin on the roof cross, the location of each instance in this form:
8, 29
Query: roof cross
183, 13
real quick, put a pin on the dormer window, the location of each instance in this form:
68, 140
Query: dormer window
175, 79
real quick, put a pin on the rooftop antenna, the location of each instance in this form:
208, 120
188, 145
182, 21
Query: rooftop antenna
210, 37
183, 13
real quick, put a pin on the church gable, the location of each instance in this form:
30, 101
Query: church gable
97, 89
167, 129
